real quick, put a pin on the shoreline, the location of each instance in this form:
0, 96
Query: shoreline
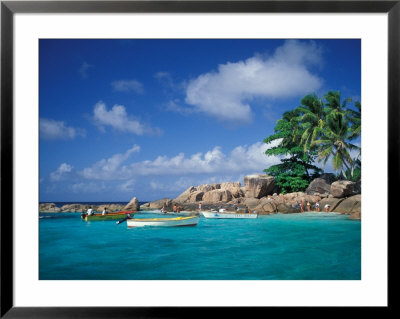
259, 194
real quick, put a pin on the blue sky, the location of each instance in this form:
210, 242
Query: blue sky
149, 118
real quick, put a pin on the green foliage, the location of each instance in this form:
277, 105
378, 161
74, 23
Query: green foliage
292, 174
311, 120
347, 175
353, 174
340, 129
316, 129
354, 117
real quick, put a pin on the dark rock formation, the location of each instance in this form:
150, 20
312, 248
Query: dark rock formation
318, 186
357, 187
341, 189
286, 209
258, 186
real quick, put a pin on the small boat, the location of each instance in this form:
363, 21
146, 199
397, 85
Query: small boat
223, 214
164, 222
181, 213
108, 216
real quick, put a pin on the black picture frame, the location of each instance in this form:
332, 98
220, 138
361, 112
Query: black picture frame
9, 8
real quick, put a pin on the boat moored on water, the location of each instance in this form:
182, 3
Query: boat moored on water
108, 216
181, 213
163, 222
222, 214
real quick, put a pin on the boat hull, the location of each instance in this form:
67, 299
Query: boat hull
218, 215
109, 216
181, 213
162, 222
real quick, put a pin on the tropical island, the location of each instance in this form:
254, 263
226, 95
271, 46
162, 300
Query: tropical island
319, 130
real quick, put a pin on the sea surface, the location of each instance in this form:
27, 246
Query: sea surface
308, 246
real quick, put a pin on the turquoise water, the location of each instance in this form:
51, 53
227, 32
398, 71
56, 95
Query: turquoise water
320, 246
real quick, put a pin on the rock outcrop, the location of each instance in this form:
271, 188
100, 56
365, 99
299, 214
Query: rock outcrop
357, 187
266, 205
217, 195
318, 186
196, 196
355, 216
158, 204
258, 194
49, 208
341, 189
184, 197
77, 208
211, 193
251, 203
287, 209
132, 205
235, 188
328, 177
207, 187
258, 186
110, 207
349, 205
331, 201
73, 208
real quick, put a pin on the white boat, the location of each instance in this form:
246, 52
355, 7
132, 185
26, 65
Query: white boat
181, 213
159, 212
223, 214
163, 222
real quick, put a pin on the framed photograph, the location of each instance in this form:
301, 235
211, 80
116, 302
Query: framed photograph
239, 119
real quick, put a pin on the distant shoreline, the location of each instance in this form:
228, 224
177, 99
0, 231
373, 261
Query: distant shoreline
60, 204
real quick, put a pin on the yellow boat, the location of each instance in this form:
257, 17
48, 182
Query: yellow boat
108, 216
163, 222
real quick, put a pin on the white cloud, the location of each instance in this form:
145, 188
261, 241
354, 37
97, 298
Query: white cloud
128, 186
157, 186
175, 107
241, 160
226, 93
107, 169
51, 188
118, 119
127, 86
61, 172
164, 77
88, 187
52, 130
168, 83
83, 70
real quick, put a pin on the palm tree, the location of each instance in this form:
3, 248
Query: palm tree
287, 129
333, 103
334, 143
312, 119
354, 117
